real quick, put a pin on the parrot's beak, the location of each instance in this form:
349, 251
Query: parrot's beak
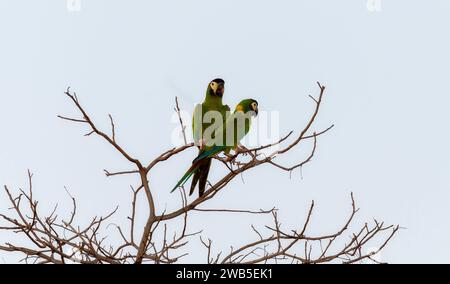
220, 90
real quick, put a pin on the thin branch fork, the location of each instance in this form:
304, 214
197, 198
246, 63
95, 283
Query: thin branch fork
87, 119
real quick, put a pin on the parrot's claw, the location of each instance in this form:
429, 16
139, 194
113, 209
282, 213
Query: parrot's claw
201, 144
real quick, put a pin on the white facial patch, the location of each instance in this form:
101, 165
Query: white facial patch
214, 86
254, 106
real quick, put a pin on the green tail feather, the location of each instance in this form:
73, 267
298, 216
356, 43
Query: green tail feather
184, 179
197, 163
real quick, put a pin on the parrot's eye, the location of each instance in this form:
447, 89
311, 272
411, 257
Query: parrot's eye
254, 106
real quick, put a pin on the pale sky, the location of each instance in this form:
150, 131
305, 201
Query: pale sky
385, 71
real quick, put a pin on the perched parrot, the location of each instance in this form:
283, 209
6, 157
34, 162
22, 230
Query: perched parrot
208, 116
227, 137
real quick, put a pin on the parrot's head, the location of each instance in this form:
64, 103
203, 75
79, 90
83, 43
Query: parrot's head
216, 87
247, 106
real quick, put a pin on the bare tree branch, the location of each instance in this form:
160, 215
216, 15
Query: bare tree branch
60, 241
183, 128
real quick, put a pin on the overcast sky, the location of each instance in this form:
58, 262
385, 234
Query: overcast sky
386, 68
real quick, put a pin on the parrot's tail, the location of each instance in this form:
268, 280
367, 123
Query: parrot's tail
204, 177
194, 182
202, 160
210, 153
201, 177
185, 178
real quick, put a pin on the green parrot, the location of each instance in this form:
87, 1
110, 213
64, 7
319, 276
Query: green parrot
208, 116
227, 137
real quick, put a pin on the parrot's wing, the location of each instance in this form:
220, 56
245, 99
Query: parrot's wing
197, 123
227, 112
242, 123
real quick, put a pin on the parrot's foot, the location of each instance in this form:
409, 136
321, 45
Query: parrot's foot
201, 144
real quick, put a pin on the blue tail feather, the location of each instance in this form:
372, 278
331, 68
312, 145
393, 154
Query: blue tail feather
209, 153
